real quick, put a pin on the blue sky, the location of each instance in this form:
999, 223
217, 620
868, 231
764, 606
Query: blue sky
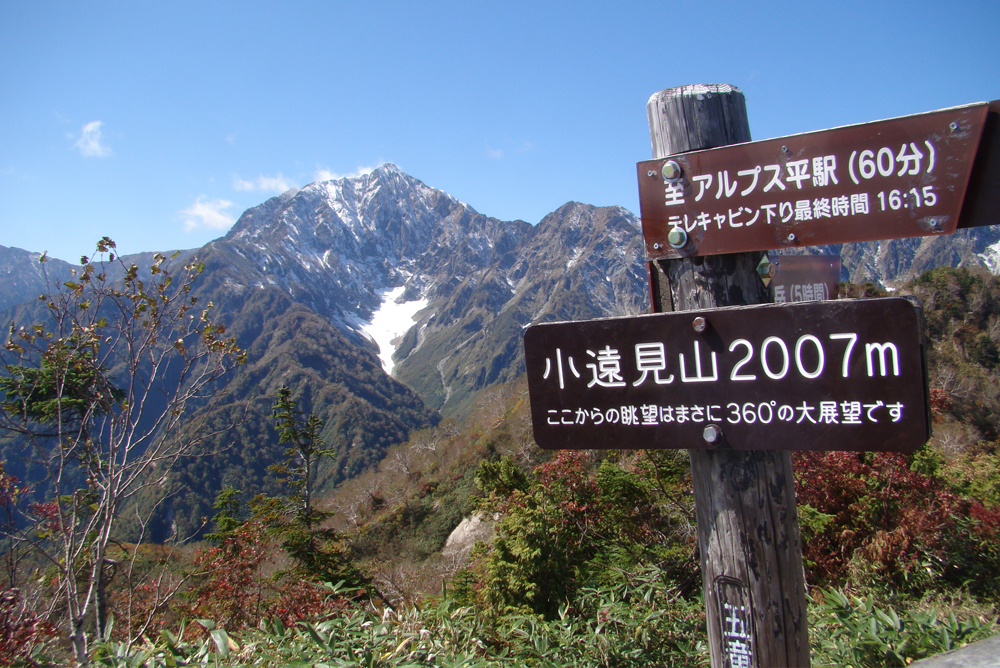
158, 124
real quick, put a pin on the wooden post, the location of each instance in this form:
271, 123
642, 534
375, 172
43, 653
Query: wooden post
748, 531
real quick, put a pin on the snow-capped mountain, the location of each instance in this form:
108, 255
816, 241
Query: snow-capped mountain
330, 286
446, 291
309, 281
895, 261
365, 251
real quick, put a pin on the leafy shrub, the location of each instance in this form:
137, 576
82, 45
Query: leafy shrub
904, 525
974, 472
635, 620
232, 590
571, 523
853, 631
23, 634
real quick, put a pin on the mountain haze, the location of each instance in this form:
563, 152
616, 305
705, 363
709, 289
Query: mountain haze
22, 276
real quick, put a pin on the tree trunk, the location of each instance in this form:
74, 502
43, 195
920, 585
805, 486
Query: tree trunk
748, 532
100, 601
78, 638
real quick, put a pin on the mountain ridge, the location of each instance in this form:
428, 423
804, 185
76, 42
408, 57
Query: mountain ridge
326, 257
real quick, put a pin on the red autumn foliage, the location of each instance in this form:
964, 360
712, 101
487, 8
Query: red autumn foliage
236, 592
568, 481
46, 513
905, 523
233, 592
9, 491
940, 402
21, 629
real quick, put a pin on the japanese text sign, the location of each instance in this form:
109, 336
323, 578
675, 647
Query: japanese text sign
835, 375
803, 278
903, 177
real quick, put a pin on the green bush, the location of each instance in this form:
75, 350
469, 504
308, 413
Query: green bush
637, 619
854, 631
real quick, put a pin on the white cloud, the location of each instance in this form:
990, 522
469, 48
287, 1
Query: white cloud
493, 153
90, 142
275, 184
324, 174
209, 214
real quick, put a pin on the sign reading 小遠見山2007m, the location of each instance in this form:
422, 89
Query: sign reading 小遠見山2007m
842, 375
903, 177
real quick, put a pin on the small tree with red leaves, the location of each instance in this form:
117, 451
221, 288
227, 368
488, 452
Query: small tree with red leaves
236, 585
235, 593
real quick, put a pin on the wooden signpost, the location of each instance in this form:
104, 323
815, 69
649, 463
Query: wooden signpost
748, 532
740, 388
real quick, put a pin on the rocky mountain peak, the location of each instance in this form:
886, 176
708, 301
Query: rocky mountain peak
330, 285
347, 247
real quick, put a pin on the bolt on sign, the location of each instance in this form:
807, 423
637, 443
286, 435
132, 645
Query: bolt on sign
903, 177
835, 375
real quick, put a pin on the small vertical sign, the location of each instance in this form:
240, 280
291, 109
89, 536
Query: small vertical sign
735, 622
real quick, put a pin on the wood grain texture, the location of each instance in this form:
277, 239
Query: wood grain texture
748, 532
691, 118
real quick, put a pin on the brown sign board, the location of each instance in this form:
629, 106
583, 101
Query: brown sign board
898, 178
833, 375
982, 199
803, 278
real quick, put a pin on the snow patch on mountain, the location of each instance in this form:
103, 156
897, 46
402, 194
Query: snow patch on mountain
391, 322
574, 258
991, 258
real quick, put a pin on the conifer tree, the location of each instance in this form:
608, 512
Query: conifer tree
319, 552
